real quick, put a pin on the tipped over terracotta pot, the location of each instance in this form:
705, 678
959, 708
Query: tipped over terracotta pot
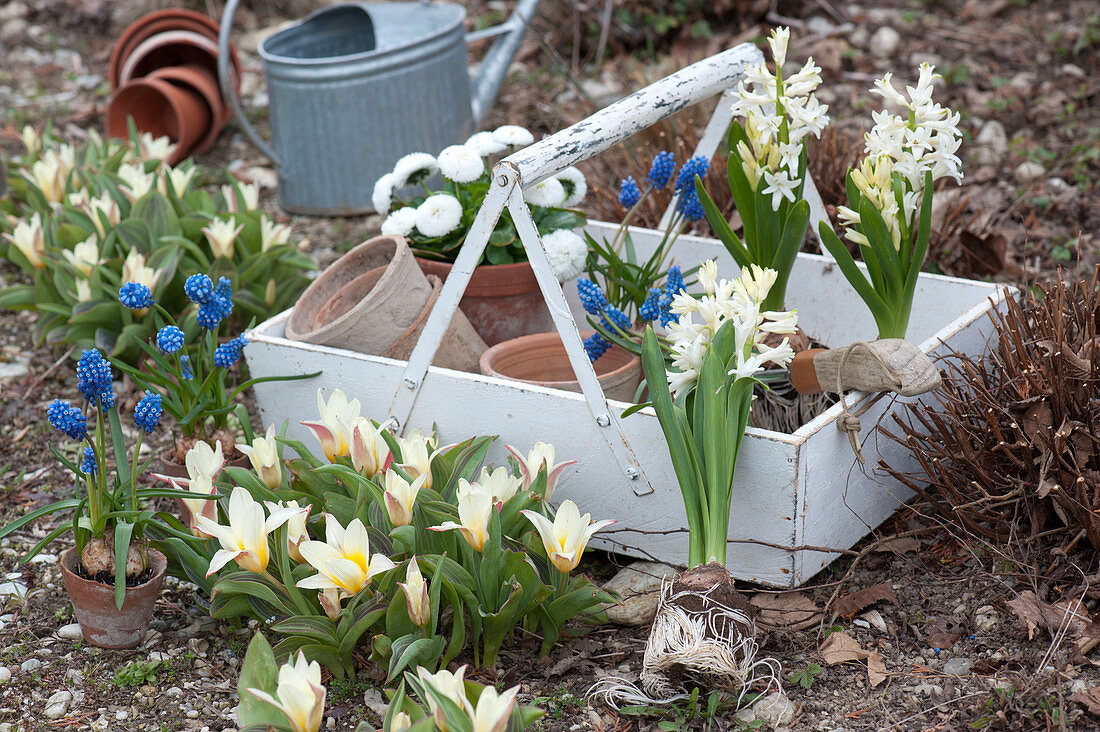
161, 109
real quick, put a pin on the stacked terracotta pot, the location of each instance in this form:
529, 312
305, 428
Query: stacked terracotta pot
164, 75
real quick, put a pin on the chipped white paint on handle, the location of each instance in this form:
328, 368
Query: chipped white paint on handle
632, 114
790, 490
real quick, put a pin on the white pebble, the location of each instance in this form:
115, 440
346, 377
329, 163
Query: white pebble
70, 632
885, 42
30, 665
5, 674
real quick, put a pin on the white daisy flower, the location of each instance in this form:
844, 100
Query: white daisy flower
438, 215
513, 136
413, 168
461, 164
576, 187
549, 193
382, 197
567, 253
484, 144
400, 222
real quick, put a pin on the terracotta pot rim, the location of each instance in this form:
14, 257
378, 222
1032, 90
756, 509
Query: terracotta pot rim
158, 562
155, 22
525, 342
196, 79
186, 138
162, 40
489, 280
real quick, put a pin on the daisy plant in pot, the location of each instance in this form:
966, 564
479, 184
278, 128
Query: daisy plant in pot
766, 168
112, 574
432, 201
889, 209
704, 632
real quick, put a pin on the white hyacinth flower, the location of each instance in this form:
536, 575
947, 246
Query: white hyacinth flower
382, 196
778, 43
485, 144
567, 253
575, 185
412, 169
439, 215
400, 223
461, 164
550, 193
513, 136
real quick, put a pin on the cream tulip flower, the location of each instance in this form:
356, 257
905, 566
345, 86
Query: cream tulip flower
154, 148
29, 238
449, 685
474, 511
333, 430
416, 595
370, 453
134, 270
249, 198
135, 181
83, 290
108, 207
296, 531
31, 140
263, 453
245, 539
565, 539
50, 175
179, 179
418, 452
272, 234
540, 456
203, 460
221, 235
499, 483
84, 256
192, 508
299, 694
400, 495
493, 710
400, 721
343, 561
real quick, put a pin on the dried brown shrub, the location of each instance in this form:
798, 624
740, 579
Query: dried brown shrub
1012, 448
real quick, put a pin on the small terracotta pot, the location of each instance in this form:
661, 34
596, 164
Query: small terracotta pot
161, 109
171, 48
541, 359
172, 19
101, 622
364, 301
503, 301
198, 80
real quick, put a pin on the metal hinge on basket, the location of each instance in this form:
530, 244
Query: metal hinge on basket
540, 161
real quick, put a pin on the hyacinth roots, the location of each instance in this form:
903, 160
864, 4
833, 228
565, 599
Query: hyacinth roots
703, 636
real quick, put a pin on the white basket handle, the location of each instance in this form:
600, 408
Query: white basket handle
539, 161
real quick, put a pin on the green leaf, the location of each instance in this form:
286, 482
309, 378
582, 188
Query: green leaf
721, 228
123, 531
259, 671
851, 272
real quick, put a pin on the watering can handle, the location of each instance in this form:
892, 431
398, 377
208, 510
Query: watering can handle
484, 88
229, 91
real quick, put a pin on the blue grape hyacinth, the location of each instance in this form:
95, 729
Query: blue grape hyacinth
199, 288
185, 368
612, 314
651, 308
229, 352
136, 296
169, 339
93, 378
88, 464
148, 410
690, 205
697, 166
661, 170
67, 419
674, 281
595, 346
629, 193
592, 298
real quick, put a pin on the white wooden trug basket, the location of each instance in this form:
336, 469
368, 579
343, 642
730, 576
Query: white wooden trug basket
791, 490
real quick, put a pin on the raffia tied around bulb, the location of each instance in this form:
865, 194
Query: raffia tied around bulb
704, 636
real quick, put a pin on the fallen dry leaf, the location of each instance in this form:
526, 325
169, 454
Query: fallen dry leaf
849, 605
899, 546
841, 647
943, 632
1068, 614
786, 610
1091, 700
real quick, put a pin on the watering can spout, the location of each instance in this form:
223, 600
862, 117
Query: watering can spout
485, 86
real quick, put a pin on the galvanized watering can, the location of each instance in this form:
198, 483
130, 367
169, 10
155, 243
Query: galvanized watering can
353, 87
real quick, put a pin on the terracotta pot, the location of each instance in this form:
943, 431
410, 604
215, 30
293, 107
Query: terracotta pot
171, 48
364, 301
160, 109
101, 622
198, 80
172, 19
503, 301
541, 359
461, 347
173, 469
